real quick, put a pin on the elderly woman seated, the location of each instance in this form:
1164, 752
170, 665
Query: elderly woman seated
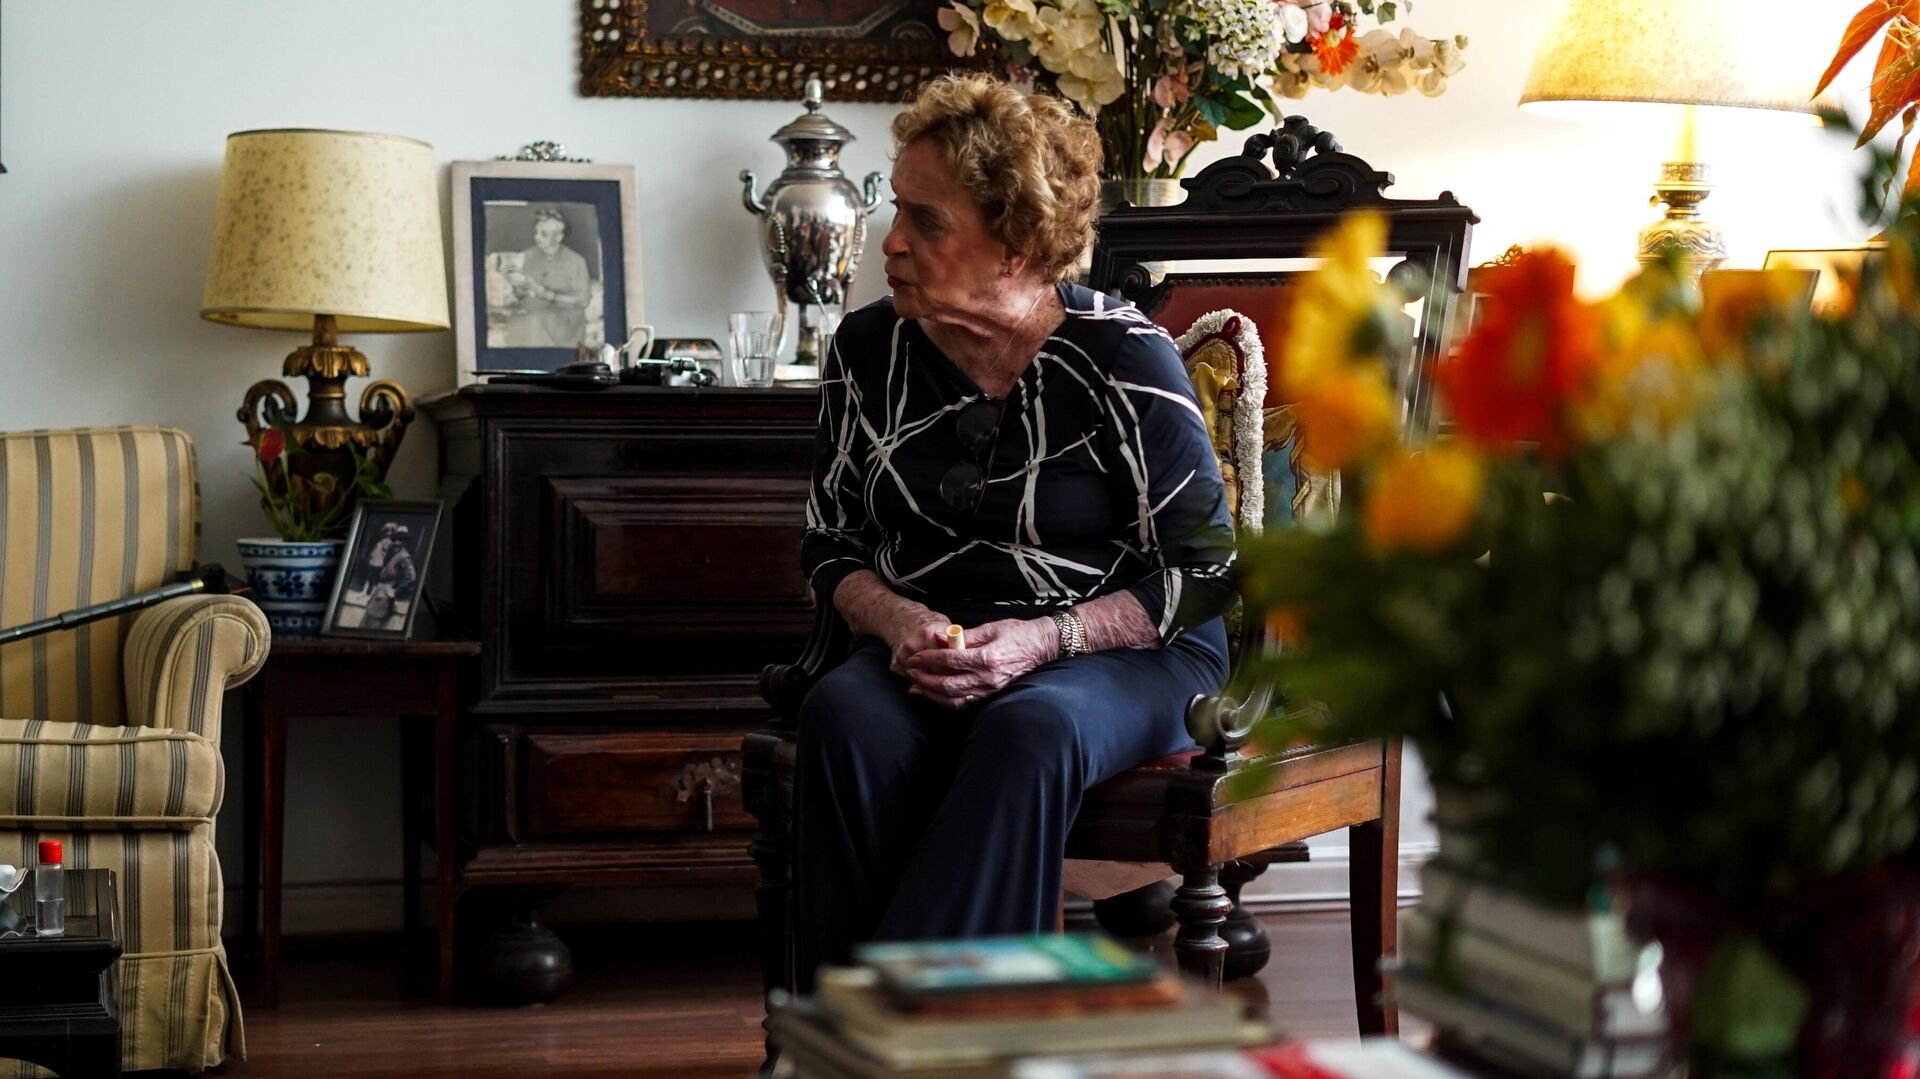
1018, 455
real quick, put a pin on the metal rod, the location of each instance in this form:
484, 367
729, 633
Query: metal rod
210, 578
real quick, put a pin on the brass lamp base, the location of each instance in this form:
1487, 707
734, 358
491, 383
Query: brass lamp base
327, 436
1683, 233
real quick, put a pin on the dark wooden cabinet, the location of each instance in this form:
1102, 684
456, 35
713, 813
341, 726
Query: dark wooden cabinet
629, 560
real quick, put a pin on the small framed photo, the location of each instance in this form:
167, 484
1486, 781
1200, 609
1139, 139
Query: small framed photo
1838, 269
383, 570
546, 260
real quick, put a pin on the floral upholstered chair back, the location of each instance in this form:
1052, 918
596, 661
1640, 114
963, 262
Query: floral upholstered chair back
1257, 443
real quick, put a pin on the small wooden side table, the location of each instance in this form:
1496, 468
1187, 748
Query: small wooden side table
60, 996
326, 676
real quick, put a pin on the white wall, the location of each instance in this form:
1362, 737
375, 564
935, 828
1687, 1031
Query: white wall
112, 120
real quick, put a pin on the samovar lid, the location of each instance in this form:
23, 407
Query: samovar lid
813, 125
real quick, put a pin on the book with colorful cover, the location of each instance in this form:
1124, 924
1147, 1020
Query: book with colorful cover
866, 1017
1001, 963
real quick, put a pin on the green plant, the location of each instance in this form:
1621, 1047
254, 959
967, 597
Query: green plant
315, 506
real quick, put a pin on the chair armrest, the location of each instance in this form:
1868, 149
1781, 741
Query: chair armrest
1221, 723
785, 685
182, 654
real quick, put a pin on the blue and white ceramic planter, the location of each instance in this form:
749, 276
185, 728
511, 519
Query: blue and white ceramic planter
292, 581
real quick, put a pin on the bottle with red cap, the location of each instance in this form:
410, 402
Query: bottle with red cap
49, 891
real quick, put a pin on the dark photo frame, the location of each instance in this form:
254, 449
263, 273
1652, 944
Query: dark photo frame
519, 307
382, 579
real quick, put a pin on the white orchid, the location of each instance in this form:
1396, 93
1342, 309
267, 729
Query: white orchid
962, 25
1093, 80
1013, 20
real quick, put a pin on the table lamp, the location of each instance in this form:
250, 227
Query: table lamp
1729, 53
329, 232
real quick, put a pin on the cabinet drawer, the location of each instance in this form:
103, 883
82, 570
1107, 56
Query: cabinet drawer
632, 781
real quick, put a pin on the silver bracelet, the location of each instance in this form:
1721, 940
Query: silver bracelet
1073, 634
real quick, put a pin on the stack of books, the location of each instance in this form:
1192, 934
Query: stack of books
972, 1009
1533, 990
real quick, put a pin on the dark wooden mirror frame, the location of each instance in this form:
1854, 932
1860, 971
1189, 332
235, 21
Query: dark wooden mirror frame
1242, 207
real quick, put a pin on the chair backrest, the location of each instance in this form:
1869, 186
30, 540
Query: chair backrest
1167, 260
86, 516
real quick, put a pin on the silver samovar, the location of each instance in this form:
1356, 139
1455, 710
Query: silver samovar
813, 223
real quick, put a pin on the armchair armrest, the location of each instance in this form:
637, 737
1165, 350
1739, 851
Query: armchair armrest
181, 655
785, 685
1222, 723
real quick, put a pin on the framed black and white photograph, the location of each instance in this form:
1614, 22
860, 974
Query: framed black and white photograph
546, 259
383, 570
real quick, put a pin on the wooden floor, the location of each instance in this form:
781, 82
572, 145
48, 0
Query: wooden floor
680, 1001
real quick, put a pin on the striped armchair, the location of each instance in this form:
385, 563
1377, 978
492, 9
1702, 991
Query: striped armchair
110, 732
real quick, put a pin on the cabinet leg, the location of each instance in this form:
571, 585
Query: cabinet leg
411, 774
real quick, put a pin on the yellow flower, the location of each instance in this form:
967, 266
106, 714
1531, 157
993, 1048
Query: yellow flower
1425, 501
1332, 310
1346, 415
1651, 367
1739, 304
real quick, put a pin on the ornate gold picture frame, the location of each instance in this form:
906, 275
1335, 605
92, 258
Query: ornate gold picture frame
863, 50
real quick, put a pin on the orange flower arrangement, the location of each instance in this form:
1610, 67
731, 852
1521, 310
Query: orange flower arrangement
1532, 356
1425, 501
1336, 48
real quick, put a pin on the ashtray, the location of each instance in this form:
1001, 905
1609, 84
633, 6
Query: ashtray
11, 878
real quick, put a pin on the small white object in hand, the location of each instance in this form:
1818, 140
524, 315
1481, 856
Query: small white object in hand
11, 878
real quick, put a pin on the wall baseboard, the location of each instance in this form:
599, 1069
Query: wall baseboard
1321, 884
334, 908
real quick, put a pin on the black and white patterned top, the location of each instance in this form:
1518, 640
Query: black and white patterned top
1104, 477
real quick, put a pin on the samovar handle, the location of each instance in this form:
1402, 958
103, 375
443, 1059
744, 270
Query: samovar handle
750, 199
872, 203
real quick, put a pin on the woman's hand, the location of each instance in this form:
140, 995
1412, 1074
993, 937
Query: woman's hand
914, 630
996, 653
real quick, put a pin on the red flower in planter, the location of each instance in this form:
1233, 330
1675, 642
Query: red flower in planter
270, 445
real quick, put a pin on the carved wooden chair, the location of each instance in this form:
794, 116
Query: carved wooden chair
1220, 810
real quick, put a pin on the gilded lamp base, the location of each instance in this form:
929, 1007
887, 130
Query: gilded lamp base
1683, 233
327, 440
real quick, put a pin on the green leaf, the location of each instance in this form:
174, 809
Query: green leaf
1240, 113
1745, 1007
1366, 6
1214, 111
1388, 9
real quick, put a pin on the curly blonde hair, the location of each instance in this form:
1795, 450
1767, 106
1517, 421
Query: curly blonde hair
1029, 161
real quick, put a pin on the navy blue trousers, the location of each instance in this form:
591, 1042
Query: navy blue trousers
918, 823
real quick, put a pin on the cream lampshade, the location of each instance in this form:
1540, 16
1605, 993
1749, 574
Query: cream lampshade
329, 232
1727, 53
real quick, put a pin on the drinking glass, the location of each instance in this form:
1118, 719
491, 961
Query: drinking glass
755, 337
